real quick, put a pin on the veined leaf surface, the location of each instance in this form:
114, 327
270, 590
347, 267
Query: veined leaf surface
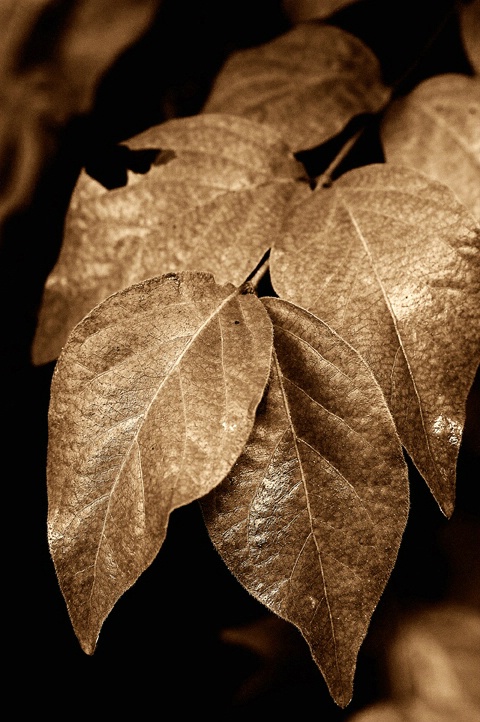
311, 517
436, 129
153, 399
211, 204
391, 260
308, 83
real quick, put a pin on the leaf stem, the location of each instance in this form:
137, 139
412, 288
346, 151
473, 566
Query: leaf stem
252, 282
325, 180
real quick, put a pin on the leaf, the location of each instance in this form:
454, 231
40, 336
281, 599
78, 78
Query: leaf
152, 400
214, 206
308, 83
299, 11
470, 30
311, 516
391, 260
436, 130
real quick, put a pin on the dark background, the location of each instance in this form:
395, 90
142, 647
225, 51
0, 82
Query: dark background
160, 651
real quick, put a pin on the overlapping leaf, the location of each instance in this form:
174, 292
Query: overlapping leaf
213, 203
436, 129
152, 400
311, 516
308, 83
391, 260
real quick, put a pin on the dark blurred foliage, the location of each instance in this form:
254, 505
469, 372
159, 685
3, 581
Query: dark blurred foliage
168, 647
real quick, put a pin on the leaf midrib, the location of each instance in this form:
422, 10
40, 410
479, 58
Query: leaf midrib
134, 440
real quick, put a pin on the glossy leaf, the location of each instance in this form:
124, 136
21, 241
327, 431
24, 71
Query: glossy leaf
391, 260
153, 399
299, 11
311, 516
212, 202
470, 29
308, 83
436, 129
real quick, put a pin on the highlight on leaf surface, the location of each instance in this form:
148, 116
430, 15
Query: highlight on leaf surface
152, 400
308, 83
311, 516
436, 130
213, 207
391, 260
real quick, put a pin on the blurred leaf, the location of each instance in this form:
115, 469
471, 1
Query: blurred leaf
308, 83
436, 129
470, 29
212, 202
434, 664
299, 11
391, 260
152, 400
52, 58
311, 517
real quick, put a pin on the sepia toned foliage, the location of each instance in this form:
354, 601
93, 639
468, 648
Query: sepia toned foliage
387, 257
212, 201
326, 72
311, 516
272, 312
436, 129
169, 373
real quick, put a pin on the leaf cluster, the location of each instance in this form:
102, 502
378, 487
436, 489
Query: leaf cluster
247, 325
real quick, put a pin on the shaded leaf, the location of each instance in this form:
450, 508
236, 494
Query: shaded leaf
391, 260
152, 400
311, 517
436, 129
213, 202
299, 11
308, 83
470, 29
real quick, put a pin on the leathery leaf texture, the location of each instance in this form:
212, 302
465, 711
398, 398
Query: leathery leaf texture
391, 260
311, 516
307, 83
212, 201
153, 399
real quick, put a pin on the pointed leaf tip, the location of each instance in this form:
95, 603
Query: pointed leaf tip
391, 260
152, 400
311, 517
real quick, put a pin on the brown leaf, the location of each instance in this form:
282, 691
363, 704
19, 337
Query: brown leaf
152, 400
311, 517
299, 11
391, 260
214, 206
436, 129
470, 29
308, 83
